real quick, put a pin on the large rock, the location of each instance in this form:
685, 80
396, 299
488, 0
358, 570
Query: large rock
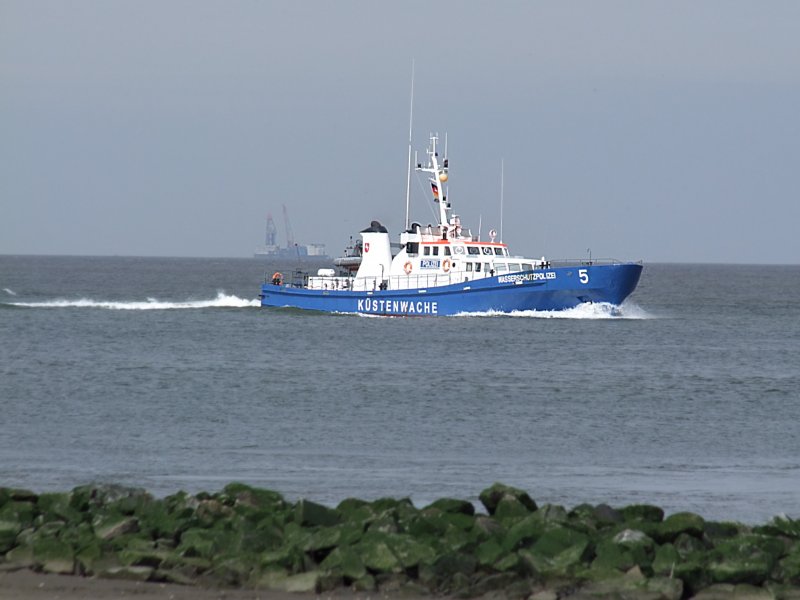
493, 495
448, 571
346, 562
788, 570
781, 525
452, 505
746, 559
682, 522
558, 552
54, 556
411, 552
56, 506
326, 538
489, 552
524, 532
242, 495
21, 513
207, 543
310, 513
109, 528
642, 512
8, 535
94, 496
377, 555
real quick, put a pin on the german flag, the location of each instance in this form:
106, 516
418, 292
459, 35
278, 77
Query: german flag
435, 190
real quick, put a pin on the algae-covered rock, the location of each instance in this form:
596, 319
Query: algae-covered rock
722, 591
781, 525
524, 532
665, 559
20, 513
642, 512
717, 531
678, 523
443, 573
788, 570
206, 543
377, 555
610, 555
491, 497
8, 535
633, 586
20, 557
558, 552
114, 526
489, 552
452, 505
308, 513
345, 561
54, 556
242, 495
509, 510
326, 538
411, 552
56, 506
746, 559
94, 496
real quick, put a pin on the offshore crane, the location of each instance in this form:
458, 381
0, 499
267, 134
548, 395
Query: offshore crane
271, 238
289, 235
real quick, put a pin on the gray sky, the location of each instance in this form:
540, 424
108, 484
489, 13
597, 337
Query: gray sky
662, 131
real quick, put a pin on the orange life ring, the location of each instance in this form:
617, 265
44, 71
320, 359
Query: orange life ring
277, 278
446, 265
408, 267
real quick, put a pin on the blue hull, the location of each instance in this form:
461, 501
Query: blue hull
548, 289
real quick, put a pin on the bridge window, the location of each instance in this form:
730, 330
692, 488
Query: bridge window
447, 250
436, 250
474, 250
498, 251
427, 251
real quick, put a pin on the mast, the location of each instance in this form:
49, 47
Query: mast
410, 123
438, 177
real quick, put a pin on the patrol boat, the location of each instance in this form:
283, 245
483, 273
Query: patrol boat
443, 270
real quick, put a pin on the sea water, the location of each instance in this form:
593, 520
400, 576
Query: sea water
166, 374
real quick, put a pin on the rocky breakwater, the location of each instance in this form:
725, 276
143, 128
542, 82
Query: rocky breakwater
253, 538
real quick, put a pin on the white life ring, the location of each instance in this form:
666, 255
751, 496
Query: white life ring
408, 267
446, 265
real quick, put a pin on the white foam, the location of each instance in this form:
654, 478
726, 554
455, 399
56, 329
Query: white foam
9, 292
222, 300
598, 310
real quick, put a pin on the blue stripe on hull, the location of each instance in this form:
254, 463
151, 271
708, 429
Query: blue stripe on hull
551, 289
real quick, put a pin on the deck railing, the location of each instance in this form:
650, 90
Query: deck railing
301, 279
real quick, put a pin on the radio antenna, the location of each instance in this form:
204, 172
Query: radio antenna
410, 123
502, 182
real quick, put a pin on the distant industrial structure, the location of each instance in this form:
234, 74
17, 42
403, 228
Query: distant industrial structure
292, 250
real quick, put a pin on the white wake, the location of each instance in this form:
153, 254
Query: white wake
222, 300
598, 310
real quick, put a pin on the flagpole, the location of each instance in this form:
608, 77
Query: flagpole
410, 123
